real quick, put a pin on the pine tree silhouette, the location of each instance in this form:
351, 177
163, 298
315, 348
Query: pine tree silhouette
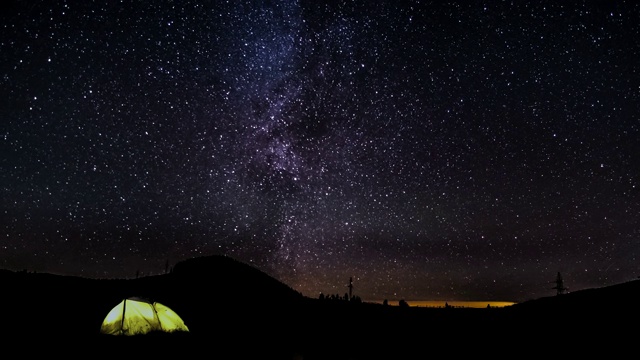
559, 285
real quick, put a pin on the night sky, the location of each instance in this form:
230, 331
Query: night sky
431, 150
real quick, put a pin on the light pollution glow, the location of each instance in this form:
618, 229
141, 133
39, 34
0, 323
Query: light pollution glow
441, 304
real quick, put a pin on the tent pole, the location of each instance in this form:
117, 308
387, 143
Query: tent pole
124, 308
155, 312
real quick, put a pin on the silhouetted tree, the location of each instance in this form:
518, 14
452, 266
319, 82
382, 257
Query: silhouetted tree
403, 303
321, 297
385, 302
559, 285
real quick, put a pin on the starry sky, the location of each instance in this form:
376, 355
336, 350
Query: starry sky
431, 150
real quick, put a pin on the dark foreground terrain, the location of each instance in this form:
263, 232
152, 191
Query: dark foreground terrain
234, 311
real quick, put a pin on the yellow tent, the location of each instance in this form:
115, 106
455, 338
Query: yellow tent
135, 316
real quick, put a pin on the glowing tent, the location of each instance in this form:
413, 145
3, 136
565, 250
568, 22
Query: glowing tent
135, 316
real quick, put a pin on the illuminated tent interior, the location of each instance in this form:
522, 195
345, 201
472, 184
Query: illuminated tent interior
136, 316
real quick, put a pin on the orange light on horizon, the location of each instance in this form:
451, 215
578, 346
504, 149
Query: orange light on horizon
441, 304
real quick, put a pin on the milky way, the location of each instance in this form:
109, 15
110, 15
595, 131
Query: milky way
429, 150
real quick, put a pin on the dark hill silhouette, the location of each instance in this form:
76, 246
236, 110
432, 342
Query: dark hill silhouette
606, 307
232, 280
615, 297
224, 286
218, 280
599, 304
236, 310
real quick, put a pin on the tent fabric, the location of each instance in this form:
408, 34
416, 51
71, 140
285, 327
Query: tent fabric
135, 316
